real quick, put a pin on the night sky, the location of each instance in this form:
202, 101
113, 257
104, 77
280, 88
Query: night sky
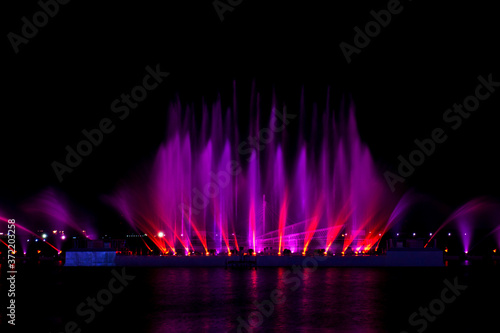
64, 79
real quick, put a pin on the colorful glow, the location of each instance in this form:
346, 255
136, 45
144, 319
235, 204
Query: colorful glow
19, 226
212, 177
330, 186
464, 213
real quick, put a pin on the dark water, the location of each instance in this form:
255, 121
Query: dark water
212, 299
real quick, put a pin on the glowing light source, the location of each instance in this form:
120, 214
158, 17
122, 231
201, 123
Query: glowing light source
494, 250
397, 234
54, 231
44, 236
414, 234
63, 237
466, 252
449, 234
430, 234
161, 234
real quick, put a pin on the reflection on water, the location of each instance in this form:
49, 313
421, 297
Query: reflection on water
214, 299
268, 299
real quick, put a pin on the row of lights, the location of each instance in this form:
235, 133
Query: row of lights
430, 234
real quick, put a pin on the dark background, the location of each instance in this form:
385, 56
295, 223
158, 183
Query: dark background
66, 77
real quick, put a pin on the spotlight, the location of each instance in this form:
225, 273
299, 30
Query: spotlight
494, 250
63, 237
182, 235
430, 234
44, 236
449, 234
54, 231
414, 234
161, 234
397, 234
466, 252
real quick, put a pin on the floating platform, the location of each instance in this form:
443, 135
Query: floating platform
398, 257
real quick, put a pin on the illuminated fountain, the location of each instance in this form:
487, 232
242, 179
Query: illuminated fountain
468, 218
51, 211
208, 188
23, 235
